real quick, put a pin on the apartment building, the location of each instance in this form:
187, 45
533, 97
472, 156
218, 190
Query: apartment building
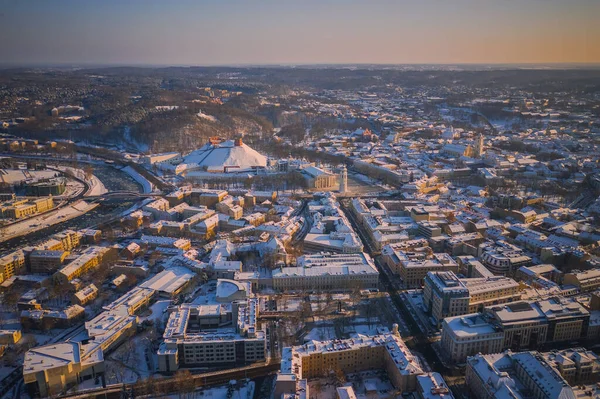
89, 259
328, 272
444, 295
412, 267
71, 239
314, 359
11, 264
46, 261
504, 261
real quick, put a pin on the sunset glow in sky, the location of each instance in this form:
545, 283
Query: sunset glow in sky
218, 32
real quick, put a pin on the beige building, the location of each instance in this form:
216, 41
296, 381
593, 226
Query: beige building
412, 267
490, 291
316, 359
576, 365
588, 280
445, 295
467, 335
49, 369
515, 375
320, 179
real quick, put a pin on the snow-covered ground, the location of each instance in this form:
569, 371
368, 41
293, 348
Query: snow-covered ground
375, 380
146, 185
157, 311
207, 117
320, 334
46, 220
96, 186
364, 329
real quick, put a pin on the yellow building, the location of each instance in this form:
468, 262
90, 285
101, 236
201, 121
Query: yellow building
10, 264
89, 259
10, 337
22, 208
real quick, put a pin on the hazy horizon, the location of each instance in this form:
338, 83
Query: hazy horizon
288, 33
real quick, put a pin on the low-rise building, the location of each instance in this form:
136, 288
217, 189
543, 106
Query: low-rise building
432, 386
191, 339
85, 295
586, 281
49, 369
10, 337
328, 272
42, 319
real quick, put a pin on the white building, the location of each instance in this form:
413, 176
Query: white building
468, 335
515, 375
328, 272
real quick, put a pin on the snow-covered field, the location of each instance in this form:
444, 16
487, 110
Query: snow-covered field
320, 334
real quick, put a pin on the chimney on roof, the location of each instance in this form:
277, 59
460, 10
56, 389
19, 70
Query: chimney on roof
238, 142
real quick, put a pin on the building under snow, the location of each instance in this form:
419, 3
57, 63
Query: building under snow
222, 157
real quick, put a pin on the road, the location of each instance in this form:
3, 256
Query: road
306, 226
418, 342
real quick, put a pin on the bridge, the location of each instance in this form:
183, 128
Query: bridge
118, 196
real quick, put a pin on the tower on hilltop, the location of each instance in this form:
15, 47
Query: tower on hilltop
343, 179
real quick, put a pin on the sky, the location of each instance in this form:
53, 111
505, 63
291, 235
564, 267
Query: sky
234, 32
